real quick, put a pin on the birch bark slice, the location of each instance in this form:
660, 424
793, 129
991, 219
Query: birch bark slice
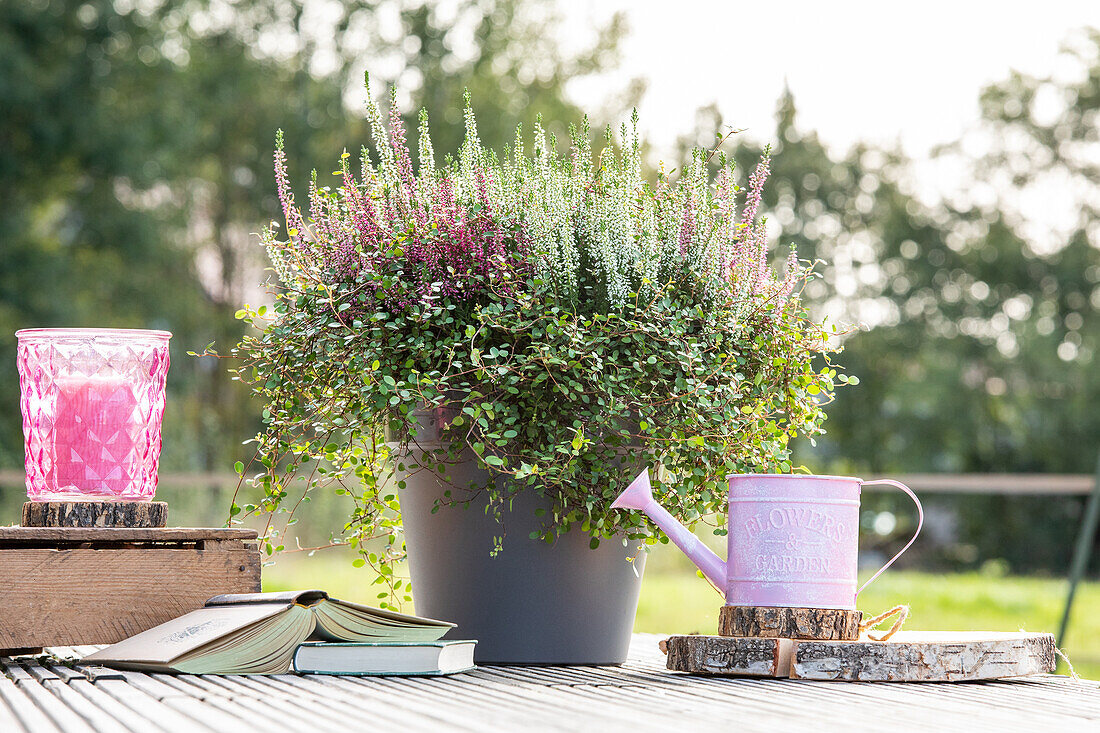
925, 656
909, 656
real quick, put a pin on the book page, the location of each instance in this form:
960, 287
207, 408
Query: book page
163, 644
384, 616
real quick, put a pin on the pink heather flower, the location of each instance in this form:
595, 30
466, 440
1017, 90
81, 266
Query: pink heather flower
687, 227
794, 272
286, 196
444, 205
361, 208
756, 189
343, 259
483, 178
403, 159
724, 198
760, 246
317, 208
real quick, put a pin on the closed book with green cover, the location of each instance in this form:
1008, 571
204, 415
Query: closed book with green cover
385, 658
258, 633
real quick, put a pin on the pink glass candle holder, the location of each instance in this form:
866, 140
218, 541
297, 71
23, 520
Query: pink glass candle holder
92, 402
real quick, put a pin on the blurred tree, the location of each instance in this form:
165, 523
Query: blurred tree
80, 245
130, 179
135, 156
983, 364
517, 72
976, 312
982, 306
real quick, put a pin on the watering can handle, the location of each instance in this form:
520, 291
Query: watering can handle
920, 523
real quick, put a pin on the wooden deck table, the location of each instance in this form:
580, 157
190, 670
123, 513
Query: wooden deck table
37, 694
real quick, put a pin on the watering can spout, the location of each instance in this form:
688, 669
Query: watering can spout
639, 495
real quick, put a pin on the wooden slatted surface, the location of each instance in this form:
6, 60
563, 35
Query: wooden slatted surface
40, 695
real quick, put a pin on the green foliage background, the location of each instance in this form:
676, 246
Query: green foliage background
135, 164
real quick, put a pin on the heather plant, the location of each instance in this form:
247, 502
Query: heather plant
571, 317
600, 233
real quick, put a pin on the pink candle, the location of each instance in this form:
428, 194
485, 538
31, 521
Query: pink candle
96, 436
92, 402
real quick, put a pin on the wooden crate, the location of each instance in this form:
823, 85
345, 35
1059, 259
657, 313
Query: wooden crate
70, 586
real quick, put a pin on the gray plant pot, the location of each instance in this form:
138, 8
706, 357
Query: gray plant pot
531, 603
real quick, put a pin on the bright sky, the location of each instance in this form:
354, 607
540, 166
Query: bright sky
880, 71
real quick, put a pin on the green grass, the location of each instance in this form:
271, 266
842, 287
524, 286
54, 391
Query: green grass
675, 600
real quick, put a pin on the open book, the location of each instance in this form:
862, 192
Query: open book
258, 633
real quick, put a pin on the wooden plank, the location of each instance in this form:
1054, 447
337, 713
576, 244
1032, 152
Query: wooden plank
164, 712
8, 721
131, 720
640, 696
95, 673
62, 672
95, 514
47, 536
687, 701
14, 670
339, 700
217, 707
428, 714
511, 688
789, 623
348, 701
615, 692
89, 712
475, 705
666, 701
341, 695
30, 717
288, 709
917, 656
82, 596
54, 708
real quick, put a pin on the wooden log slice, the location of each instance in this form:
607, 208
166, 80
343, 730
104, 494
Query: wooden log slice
908, 656
95, 514
723, 655
789, 623
925, 656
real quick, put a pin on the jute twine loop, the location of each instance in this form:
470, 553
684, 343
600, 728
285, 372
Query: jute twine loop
902, 612
1072, 671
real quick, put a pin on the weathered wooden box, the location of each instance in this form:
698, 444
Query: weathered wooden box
69, 586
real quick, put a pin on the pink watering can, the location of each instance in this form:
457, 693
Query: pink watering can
793, 540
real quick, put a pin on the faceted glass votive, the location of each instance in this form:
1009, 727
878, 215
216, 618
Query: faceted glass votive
92, 402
